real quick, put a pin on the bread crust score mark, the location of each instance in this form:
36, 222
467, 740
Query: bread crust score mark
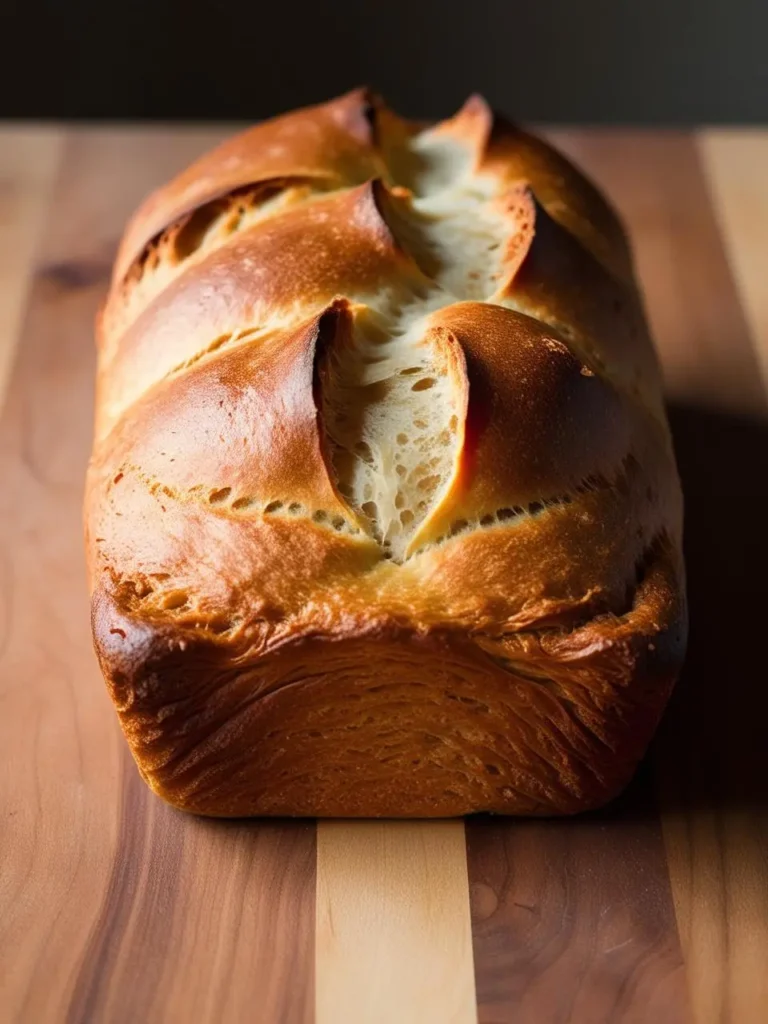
382, 515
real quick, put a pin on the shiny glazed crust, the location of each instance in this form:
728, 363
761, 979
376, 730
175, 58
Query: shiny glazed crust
382, 515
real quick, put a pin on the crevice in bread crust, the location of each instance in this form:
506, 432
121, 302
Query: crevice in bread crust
392, 408
247, 334
449, 216
197, 235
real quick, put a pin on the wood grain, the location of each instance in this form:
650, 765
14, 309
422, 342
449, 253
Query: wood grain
573, 919
393, 930
29, 159
112, 906
236, 910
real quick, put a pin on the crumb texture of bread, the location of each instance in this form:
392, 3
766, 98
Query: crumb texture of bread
382, 515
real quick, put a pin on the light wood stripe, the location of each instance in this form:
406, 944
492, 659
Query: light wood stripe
393, 941
29, 158
736, 166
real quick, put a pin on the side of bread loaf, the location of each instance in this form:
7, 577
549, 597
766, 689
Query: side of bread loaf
382, 516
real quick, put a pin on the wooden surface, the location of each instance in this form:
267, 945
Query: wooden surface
114, 908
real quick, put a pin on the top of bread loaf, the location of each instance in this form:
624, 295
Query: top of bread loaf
356, 371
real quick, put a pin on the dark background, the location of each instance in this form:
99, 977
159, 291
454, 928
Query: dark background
588, 61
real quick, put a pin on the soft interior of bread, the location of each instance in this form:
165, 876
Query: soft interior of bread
390, 406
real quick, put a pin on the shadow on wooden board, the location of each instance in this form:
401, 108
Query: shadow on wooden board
712, 746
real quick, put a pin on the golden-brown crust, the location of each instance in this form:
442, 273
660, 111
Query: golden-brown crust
557, 280
265, 653
329, 144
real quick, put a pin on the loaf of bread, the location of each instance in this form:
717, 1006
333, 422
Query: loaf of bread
382, 516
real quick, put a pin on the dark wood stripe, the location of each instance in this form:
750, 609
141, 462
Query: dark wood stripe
573, 919
202, 920
143, 887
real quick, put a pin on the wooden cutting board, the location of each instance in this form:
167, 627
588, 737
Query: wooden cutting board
115, 908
